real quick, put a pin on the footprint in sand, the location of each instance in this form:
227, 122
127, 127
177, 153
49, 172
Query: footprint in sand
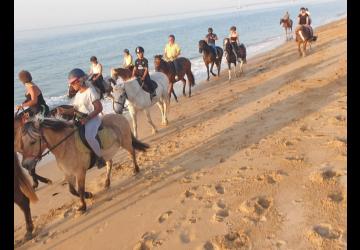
327, 231
186, 236
221, 211
330, 174
232, 240
148, 241
257, 207
220, 189
336, 197
164, 216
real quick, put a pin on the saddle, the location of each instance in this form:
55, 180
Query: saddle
145, 87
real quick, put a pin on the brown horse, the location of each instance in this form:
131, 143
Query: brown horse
23, 195
19, 121
287, 24
303, 37
184, 68
233, 58
210, 58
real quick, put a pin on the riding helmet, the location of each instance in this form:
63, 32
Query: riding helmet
210, 30
139, 49
75, 74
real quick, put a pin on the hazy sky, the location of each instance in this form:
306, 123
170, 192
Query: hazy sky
34, 14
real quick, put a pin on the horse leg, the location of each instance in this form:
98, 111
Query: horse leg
218, 66
304, 49
229, 70
207, 68
184, 85
81, 190
42, 179
173, 92
23, 202
71, 181
148, 117
166, 108
127, 144
108, 173
160, 105
211, 68
35, 180
299, 49
241, 66
132, 112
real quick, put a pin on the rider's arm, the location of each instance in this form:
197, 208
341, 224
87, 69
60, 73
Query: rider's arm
165, 54
215, 37
34, 97
178, 50
97, 109
133, 72
298, 20
145, 72
307, 20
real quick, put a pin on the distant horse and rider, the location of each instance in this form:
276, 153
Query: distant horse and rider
304, 32
287, 23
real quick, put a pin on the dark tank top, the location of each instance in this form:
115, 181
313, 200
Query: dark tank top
303, 19
40, 106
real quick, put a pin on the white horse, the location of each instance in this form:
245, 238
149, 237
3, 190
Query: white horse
138, 98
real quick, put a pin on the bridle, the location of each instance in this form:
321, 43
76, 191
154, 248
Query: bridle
40, 155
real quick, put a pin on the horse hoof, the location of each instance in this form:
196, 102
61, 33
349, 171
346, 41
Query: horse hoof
49, 182
88, 195
81, 209
35, 185
107, 184
136, 170
28, 236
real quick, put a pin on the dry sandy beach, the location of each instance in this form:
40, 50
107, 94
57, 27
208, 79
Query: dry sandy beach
256, 163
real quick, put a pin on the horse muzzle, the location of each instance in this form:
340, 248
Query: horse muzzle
29, 163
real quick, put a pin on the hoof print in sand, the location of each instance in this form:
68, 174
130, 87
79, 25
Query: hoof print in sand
232, 240
256, 208
336, 197
164, 216
220, 189
148, 241
326, 231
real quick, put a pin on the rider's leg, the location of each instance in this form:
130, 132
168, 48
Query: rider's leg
91, 129
150, 86
175, 70
215, 50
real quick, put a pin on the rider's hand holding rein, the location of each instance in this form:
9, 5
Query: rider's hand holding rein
97, 110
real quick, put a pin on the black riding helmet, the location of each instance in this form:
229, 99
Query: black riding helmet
139, 49
302, 8
210, 30
75, 74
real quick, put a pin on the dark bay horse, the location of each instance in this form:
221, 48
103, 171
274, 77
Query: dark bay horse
210, 58
231, 57
287, 24
106, 86
184, 68
303, 37
23, 195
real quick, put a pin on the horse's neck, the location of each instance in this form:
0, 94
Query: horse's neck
165, 66
54, 138
133, 89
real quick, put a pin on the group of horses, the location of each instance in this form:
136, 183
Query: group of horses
60, 136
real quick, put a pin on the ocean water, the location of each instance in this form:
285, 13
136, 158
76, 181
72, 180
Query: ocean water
50, 54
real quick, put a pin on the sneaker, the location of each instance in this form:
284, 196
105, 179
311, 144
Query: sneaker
101, 162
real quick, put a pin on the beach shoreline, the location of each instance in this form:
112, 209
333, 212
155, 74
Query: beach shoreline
278, 132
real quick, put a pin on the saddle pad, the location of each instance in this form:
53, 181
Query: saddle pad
107, 138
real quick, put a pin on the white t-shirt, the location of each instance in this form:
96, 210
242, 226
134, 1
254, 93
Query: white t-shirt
83, 102
96, 69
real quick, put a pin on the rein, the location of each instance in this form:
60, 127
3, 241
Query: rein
40, 156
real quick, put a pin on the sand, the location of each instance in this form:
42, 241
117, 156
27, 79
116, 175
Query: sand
255, 163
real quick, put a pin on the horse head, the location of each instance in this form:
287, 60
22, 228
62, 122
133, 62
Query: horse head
157, 61
202, 45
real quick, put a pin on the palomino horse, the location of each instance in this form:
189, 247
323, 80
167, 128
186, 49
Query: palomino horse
19, 121
62, 139
209, 57
23, 195
184, 68
303, 37
287, 24
140, 99
231, 57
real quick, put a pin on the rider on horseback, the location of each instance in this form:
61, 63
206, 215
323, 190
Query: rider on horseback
234, 40
96, 74
304, 19
171, 52
286, 16
87, 102
128, 60
210, 39
141, 70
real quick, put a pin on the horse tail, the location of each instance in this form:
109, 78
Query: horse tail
23, 182
138, 144
190, 77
